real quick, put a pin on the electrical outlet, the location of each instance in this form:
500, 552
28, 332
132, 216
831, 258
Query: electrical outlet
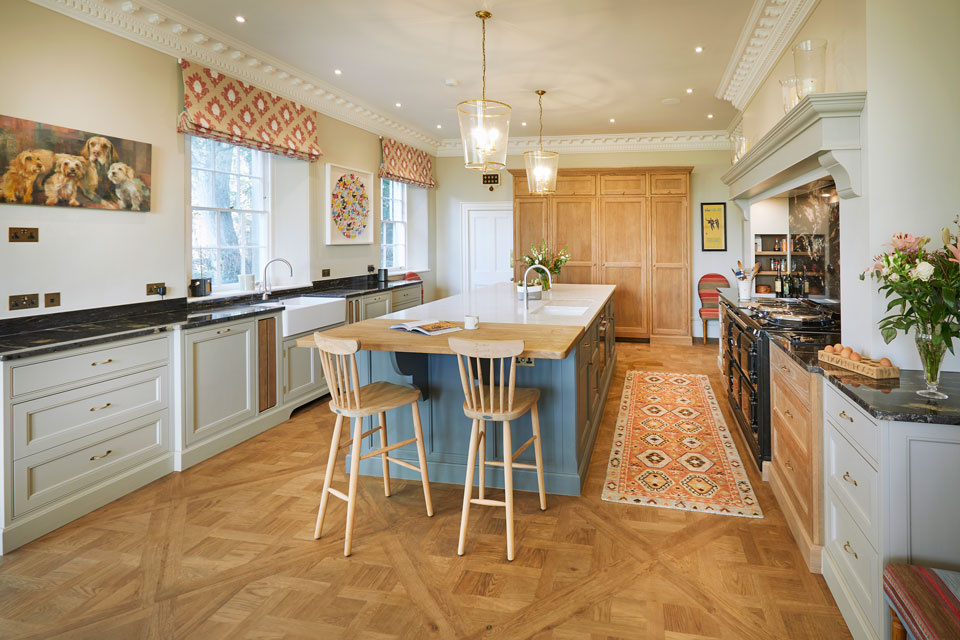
24, 301
524, 362
24, 234
371, 268
325, 273
152, 289
51, 299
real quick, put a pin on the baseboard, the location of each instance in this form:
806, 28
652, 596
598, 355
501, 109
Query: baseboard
37, 523
812, 553
220, 442
857, 623
765, 470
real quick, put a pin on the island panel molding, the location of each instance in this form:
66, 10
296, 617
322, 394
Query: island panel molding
768, 31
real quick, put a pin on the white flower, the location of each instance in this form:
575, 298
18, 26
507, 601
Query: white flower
924, 271
885, 271
893, 277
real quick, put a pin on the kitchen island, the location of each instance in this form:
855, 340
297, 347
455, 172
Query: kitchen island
569, 355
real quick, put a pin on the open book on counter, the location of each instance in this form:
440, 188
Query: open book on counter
428, 327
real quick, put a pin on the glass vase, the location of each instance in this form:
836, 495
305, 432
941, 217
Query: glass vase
544, 280
931, 355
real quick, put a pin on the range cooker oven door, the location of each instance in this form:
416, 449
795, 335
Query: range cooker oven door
743, 377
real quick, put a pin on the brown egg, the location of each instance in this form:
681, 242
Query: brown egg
828, 349
846, 352
885, 362
855, 357
838, 347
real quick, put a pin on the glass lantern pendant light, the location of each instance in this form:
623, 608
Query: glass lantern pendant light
541, 165
484, 124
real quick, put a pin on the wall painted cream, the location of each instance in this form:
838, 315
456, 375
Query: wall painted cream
842, 24
98, 258
459, 185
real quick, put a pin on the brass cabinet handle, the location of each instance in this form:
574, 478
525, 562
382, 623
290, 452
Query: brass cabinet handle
849, 549
109, 451
788, 465
227, 330
107, 361
846, 476
787, 413
109, 404
843, 414
784, 369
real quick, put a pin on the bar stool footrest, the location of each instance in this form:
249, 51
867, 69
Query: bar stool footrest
515, 465
526, 444
487, 502
338, 494
403, 463
377, 452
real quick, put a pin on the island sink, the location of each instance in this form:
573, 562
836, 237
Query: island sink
305, 313
565, 307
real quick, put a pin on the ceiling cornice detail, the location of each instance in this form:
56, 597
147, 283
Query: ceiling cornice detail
164, 29
610, 143
770, 27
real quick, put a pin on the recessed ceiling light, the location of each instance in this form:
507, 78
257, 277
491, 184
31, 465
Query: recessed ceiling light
689, 90
241, 19
671, 101
709, 115
612, 120
397, 105
699, 49
523, 124
439, 127
451, 82
337, 71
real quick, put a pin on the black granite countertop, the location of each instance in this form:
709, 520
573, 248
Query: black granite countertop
37, 335
893, 399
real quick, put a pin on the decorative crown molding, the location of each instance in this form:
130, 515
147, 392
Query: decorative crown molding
770, 27
164, 29
609, 143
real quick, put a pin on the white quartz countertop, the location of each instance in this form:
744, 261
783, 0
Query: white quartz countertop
564, 305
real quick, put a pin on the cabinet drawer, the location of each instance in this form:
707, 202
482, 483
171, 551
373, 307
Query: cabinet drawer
790, 414
59, 418
854, 557
55, 473
668, 184
854, 482
861, 428
37, 376
613, 185
793, 469
793, 375
405, 294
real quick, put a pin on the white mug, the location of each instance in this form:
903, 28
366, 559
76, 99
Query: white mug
246, 282
471, 322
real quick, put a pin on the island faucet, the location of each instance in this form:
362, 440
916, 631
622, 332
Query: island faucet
526, 297
265, 284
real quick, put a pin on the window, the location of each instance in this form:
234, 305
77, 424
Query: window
230, 207
393, 225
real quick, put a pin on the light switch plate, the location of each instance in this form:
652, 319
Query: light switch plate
325, 273
51, 299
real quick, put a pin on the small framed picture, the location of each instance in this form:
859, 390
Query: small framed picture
713, 226
349, 207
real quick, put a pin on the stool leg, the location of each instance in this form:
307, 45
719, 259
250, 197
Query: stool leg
383, 456
468, 485
482, 447
422, 455
508, 485
535, 419
352, 492
896, 627
328, 476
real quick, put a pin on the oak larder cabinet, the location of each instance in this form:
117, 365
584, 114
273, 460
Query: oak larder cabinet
629, 227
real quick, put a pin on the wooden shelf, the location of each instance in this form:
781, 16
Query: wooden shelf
771, 253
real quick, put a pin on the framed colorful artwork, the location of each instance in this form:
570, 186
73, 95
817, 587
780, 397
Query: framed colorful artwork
713, 226
46, 165
349, 207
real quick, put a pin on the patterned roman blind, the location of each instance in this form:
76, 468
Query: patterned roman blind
403, 163
230, 110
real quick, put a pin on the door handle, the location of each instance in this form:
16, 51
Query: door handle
96, 364
227, 330
848, 478
109, 404
843, 414
787, 413
849, 549
100, 457
788, 465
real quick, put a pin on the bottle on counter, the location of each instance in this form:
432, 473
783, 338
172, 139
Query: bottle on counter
805, 285
778, 284
776, 244
787, 289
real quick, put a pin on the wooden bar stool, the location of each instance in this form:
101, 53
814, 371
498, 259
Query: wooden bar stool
349, 400
494, 402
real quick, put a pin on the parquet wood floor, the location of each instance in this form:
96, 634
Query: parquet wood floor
225, 550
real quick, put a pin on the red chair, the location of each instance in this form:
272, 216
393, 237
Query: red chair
710, 298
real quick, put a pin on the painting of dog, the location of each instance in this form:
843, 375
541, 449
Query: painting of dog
49, 165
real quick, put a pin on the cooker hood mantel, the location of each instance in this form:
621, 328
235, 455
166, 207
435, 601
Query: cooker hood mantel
821, 135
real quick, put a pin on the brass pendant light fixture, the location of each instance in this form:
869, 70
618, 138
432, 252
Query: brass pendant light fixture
484, 124
541, 165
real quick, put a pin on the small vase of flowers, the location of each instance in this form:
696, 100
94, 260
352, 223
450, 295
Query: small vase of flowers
546, 258
922, 287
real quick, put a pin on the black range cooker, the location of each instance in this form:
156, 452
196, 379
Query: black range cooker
745, 354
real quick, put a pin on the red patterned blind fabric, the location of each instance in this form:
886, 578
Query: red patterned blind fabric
403, 163
229, 110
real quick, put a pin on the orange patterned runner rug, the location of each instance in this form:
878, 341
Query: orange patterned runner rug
671, 448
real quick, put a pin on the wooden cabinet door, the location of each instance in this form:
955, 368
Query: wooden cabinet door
266, 363
574, 223
628, 184
576, 184
669, 184
530, 226
623, 231
670, 262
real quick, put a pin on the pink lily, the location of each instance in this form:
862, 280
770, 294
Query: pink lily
907, 242
955, 250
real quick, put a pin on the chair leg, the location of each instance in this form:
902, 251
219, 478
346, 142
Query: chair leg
704, 331
383, 456
468, 485
538, 451
508, 485
482, 448
422, 455
328, 476
352, 492
896, 627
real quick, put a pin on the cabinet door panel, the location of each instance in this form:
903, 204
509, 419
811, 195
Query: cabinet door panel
669, 303
670, 256
529, 227
574, 222
669, 222
627, 185
577, 185
667, 184
302, 373
623, 238
630, 312
374, 306
267, 363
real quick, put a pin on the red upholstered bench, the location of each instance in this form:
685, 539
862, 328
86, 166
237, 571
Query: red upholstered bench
925, 602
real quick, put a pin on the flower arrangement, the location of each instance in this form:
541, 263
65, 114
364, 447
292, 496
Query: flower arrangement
923, 289
545, 257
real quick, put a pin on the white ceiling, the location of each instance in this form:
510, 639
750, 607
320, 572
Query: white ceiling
597, 59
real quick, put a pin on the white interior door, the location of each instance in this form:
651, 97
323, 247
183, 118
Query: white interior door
487, 241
